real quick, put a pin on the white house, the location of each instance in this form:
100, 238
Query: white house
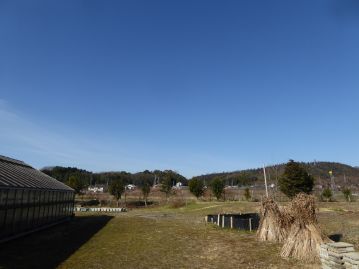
130, 187
95, 189
178, 185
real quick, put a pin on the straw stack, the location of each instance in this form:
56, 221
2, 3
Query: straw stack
332, 255
274, 222
304, 237
351, 260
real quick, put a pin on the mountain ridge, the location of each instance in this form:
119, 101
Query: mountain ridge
344, 174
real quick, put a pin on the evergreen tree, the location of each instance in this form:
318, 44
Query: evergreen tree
217, 186
167, 184
117, 188
295, 179
146, 189
75, 183
196, 187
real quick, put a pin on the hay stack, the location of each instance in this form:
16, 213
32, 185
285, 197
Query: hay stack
304, 237
274, 222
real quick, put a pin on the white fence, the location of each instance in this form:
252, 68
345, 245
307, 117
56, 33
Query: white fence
100, 209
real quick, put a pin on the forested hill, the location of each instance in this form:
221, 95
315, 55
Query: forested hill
343, 174
89, 178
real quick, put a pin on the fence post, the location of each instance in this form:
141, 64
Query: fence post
250, 224
206, 219
218, 220
231, 222
223, 221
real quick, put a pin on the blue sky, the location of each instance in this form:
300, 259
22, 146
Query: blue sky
193, 86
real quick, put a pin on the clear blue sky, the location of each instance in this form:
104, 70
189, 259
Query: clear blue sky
194, 86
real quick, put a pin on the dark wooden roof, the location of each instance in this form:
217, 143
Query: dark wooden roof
17, 174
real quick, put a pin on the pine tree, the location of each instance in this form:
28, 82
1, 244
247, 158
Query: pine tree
295, 179
75, 183
146, 189
217, 186
117, 188
196, 187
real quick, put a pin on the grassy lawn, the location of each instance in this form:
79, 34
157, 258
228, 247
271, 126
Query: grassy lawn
164, 237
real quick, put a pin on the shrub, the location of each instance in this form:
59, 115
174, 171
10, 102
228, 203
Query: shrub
247, 194
93, 202
327, 194
177, 203
347, 192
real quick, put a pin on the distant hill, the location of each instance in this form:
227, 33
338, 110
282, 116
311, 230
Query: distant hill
343, 174
104, 178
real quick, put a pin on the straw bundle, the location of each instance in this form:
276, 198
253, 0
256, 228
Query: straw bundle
274, 222
304, 237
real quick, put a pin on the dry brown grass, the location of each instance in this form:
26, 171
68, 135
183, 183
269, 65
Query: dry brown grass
163, 237
167, 241
178, 238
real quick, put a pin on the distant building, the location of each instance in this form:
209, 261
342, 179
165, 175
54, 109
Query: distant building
30, 199
130, 187
95, 189
178, 185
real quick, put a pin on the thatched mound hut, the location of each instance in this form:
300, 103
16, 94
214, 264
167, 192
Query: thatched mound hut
274, 222
304, 237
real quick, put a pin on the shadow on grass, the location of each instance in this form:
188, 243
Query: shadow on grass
49, 248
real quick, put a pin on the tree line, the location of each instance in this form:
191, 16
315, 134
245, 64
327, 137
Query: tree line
79, 178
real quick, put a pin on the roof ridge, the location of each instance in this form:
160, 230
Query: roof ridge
14, 161
15, 173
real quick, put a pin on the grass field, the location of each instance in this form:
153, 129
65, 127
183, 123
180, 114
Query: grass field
164, 237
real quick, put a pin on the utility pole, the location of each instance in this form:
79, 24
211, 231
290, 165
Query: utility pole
332, 180
265, 179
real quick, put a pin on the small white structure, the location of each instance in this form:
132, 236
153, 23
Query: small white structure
130, 187
178, 185
95, 189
